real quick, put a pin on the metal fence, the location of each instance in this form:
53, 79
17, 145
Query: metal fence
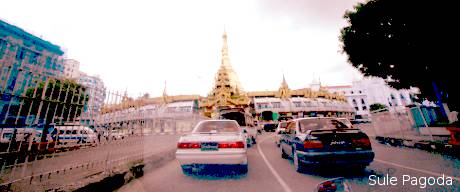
404, 125
54, 131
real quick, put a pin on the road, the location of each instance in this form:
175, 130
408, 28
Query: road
269, 172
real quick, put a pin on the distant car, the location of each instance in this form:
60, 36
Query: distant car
325, 141
117, 135
270, 127
280, 130
213, 142
360, 119
346, 122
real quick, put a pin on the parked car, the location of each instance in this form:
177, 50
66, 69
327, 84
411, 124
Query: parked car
346, 121
270, 127
213, 142
117, 135
324, 140
280, 130
360, 119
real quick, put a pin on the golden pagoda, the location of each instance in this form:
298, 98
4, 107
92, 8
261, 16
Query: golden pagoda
227, 90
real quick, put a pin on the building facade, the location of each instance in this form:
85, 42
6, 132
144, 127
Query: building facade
97, 93
25, 61
71, 68
370, 90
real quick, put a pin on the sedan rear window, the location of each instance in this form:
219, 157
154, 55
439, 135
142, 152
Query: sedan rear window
317, 124
217, 127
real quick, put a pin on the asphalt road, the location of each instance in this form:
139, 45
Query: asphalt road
269, 172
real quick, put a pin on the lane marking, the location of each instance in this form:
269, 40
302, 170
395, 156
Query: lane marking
277, 176
415, 169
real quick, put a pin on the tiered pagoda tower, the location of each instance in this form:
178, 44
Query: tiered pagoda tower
227, 90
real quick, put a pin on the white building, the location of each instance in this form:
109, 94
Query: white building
71, 68
96, 90
370, 90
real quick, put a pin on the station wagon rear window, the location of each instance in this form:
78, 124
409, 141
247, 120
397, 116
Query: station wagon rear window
317, 124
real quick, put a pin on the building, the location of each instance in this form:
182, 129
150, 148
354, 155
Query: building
25, 61
71, 69
298, 103
370, 90
357, 98
97, 92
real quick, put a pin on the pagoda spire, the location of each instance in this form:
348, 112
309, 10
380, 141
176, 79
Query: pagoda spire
225, 57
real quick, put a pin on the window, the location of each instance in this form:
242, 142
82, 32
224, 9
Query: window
316, 124
362, 102
364, 107
33, 59
297, 104
357, 109
3, 45
351, 92
276, 105
360, 91
216, 126
354, 101
290, 128
21, 54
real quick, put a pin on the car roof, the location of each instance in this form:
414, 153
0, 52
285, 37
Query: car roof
305, 118
217, 120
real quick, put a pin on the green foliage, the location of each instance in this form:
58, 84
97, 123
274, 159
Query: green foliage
61, 98
413, 42
377, 106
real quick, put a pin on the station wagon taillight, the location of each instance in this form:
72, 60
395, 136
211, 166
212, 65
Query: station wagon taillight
188, 145
238, 144
312, 144
362, 142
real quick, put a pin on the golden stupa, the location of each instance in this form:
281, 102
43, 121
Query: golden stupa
227, 90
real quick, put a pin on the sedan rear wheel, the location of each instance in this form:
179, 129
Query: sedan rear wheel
283, 154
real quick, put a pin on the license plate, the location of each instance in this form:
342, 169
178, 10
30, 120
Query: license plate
338, 143
211, 146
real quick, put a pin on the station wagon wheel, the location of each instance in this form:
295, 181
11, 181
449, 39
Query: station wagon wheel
295, 158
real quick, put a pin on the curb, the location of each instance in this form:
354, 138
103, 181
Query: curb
115, 180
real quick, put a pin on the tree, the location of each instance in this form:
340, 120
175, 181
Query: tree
63, 99
412, 42
377, 106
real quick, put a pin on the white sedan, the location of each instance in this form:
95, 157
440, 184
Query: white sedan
213, 142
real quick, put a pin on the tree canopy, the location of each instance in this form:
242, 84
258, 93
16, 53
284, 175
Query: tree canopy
377, 106
63, 99
412, 42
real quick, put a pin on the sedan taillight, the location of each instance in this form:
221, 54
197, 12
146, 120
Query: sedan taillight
312, 144
238, 144
188, 145
363, 142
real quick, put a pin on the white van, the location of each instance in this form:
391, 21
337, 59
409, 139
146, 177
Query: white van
22, 134
75, 134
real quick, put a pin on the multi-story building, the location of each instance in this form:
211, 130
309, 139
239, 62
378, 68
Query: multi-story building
96, 90
71, 68
370, 90
25, 61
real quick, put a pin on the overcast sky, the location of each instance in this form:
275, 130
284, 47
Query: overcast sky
139, 45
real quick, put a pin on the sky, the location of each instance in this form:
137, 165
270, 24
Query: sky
138, 45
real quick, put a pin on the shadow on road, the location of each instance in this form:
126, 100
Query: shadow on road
216, 172
346, 172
